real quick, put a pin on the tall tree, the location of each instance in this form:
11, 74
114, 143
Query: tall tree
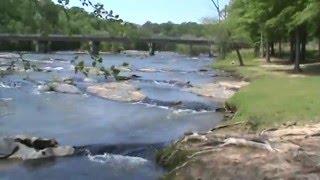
275, 21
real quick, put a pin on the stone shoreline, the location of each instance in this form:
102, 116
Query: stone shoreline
230, 151
290, 152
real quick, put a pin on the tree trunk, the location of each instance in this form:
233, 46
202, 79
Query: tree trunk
319, 46
272, 49
256, 51
319, 41
262, 52
280, 48
318, 33
303, 44
239, 57
292, 48
222, 50
268, 52
303, 51
297, 50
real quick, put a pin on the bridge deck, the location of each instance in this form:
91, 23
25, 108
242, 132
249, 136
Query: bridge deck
86, 38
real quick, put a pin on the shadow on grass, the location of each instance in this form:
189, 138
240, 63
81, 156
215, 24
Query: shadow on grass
286, 61
309, 69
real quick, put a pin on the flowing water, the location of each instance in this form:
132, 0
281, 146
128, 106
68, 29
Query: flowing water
120, 138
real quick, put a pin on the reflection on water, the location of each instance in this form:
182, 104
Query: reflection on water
95, 123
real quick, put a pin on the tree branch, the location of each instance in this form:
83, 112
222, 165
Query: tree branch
217, 6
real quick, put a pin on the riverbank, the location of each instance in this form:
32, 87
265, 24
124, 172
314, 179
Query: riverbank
273, 132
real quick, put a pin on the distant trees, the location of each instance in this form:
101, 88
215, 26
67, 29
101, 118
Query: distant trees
170, 29
45, 17
98, 9
273, 21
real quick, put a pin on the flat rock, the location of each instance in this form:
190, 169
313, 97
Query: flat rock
219, 90
89, 80
25, 147
59, 87
124, 69
9, 56
135, 53
290, 152
66, 88
118, 91
147, 70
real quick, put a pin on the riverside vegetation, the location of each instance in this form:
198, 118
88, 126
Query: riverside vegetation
272, 132
278, 109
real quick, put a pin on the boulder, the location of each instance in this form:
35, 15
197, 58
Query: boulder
135, 53
182, 105
220, 90
230, 152
9, 56
59, 87
124, 69
95, 71
118, 91
50, 69
66, 88
25, 147
44, 88
203, 70
89, 80
147, 70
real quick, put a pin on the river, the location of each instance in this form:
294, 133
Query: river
120, 138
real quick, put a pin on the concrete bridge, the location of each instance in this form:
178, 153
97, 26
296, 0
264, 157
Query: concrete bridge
42, 43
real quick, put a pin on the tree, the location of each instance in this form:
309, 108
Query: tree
98, 9
273, 21
222, 12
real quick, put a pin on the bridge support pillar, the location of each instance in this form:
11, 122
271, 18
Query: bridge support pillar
211, 51
42, 46
152, 48
95, 47
191, 52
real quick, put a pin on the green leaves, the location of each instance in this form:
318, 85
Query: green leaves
97, 68
115, 71
64, 2
273, 17
80, 66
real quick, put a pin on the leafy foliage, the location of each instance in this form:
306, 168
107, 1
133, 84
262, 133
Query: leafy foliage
97, 68
274, 18
264, 23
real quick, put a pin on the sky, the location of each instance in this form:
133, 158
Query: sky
159, 11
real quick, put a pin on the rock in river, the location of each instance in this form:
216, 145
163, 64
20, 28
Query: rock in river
118, 91
66, 88
59, 87
220, 90
24, 148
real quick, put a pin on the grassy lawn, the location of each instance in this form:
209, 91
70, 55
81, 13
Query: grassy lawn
275, 96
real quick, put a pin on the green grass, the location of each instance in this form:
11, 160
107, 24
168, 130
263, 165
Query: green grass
249, 71
272, 98
171, 157
271, 101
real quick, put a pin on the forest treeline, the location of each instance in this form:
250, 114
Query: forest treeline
45, 17
265, 24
